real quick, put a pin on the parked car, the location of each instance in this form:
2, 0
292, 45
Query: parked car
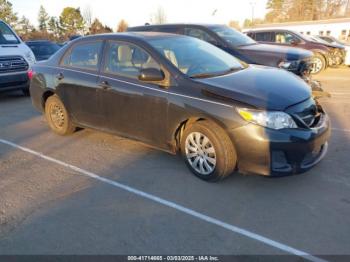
242, 47
43, 49
333, 40
180, 93
323, 53
339, 52
16, 58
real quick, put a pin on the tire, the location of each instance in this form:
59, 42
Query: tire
26, 92
58, 117
319, 64
218, 147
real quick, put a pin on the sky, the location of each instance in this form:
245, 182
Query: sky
138, 12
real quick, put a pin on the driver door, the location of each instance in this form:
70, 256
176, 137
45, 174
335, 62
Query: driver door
132, 108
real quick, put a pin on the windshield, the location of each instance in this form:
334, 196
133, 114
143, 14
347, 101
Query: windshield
196, 58
7, 37
232, 36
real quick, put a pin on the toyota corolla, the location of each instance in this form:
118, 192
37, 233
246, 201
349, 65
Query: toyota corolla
181, 94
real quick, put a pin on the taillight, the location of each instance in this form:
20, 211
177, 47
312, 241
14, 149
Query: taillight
30, 74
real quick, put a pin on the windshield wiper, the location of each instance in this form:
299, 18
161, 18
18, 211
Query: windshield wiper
207, 75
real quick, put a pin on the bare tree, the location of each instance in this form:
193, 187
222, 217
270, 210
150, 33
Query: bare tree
87, 15
159, 17
234, 24
122, 26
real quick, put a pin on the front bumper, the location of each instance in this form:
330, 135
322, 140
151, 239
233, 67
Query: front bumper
280, 152
14, 81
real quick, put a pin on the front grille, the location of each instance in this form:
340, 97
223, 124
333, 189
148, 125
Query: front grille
307, 114
305, 67
9, 64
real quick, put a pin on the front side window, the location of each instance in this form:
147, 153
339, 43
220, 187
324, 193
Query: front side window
200, 34
232, 36
7, 37
84, 55
127, 60
285, 38
196, 58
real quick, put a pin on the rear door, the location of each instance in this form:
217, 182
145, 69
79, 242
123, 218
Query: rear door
76, 82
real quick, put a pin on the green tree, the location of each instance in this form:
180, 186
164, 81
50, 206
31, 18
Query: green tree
71, 21
43, 18
54, 27
6, 13
24, 28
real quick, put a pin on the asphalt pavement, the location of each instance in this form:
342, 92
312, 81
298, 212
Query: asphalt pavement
73, 198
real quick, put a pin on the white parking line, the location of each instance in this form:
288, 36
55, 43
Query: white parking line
173, 205
340, 129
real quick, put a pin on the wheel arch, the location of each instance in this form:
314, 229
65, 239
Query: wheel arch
178, 132
323, 54
46, 94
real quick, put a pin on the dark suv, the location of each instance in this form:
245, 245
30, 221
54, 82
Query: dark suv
239, 45
324, 54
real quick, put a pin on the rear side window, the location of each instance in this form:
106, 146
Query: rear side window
200, 34
171, 30
263, 37
84, 56
127, 60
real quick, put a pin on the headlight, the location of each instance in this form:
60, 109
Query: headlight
289, 65
30, 57
270, 119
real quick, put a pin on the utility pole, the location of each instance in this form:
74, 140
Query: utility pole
252, 4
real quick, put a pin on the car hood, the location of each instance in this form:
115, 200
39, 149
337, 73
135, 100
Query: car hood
330, 45
16, 50
290, 53
259, 86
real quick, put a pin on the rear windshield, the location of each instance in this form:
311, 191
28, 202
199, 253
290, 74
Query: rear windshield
232, 36
44, 49
7, 37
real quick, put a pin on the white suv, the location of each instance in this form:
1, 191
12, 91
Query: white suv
16, 59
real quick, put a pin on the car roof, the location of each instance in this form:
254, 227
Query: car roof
130, 36
176, 25
39, 42
269, 30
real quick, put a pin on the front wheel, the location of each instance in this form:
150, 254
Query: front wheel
318, 64
58, 117
208, 151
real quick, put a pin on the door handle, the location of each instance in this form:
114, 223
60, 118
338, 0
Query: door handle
104, 85
59, 76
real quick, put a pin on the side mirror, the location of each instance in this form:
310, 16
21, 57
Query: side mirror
294, 42
151, 75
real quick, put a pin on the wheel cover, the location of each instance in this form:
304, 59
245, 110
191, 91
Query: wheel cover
56, 113
317, 65
200, 153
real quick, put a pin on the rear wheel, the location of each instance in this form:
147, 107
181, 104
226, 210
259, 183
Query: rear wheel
319, 64
208, 151
58, 117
